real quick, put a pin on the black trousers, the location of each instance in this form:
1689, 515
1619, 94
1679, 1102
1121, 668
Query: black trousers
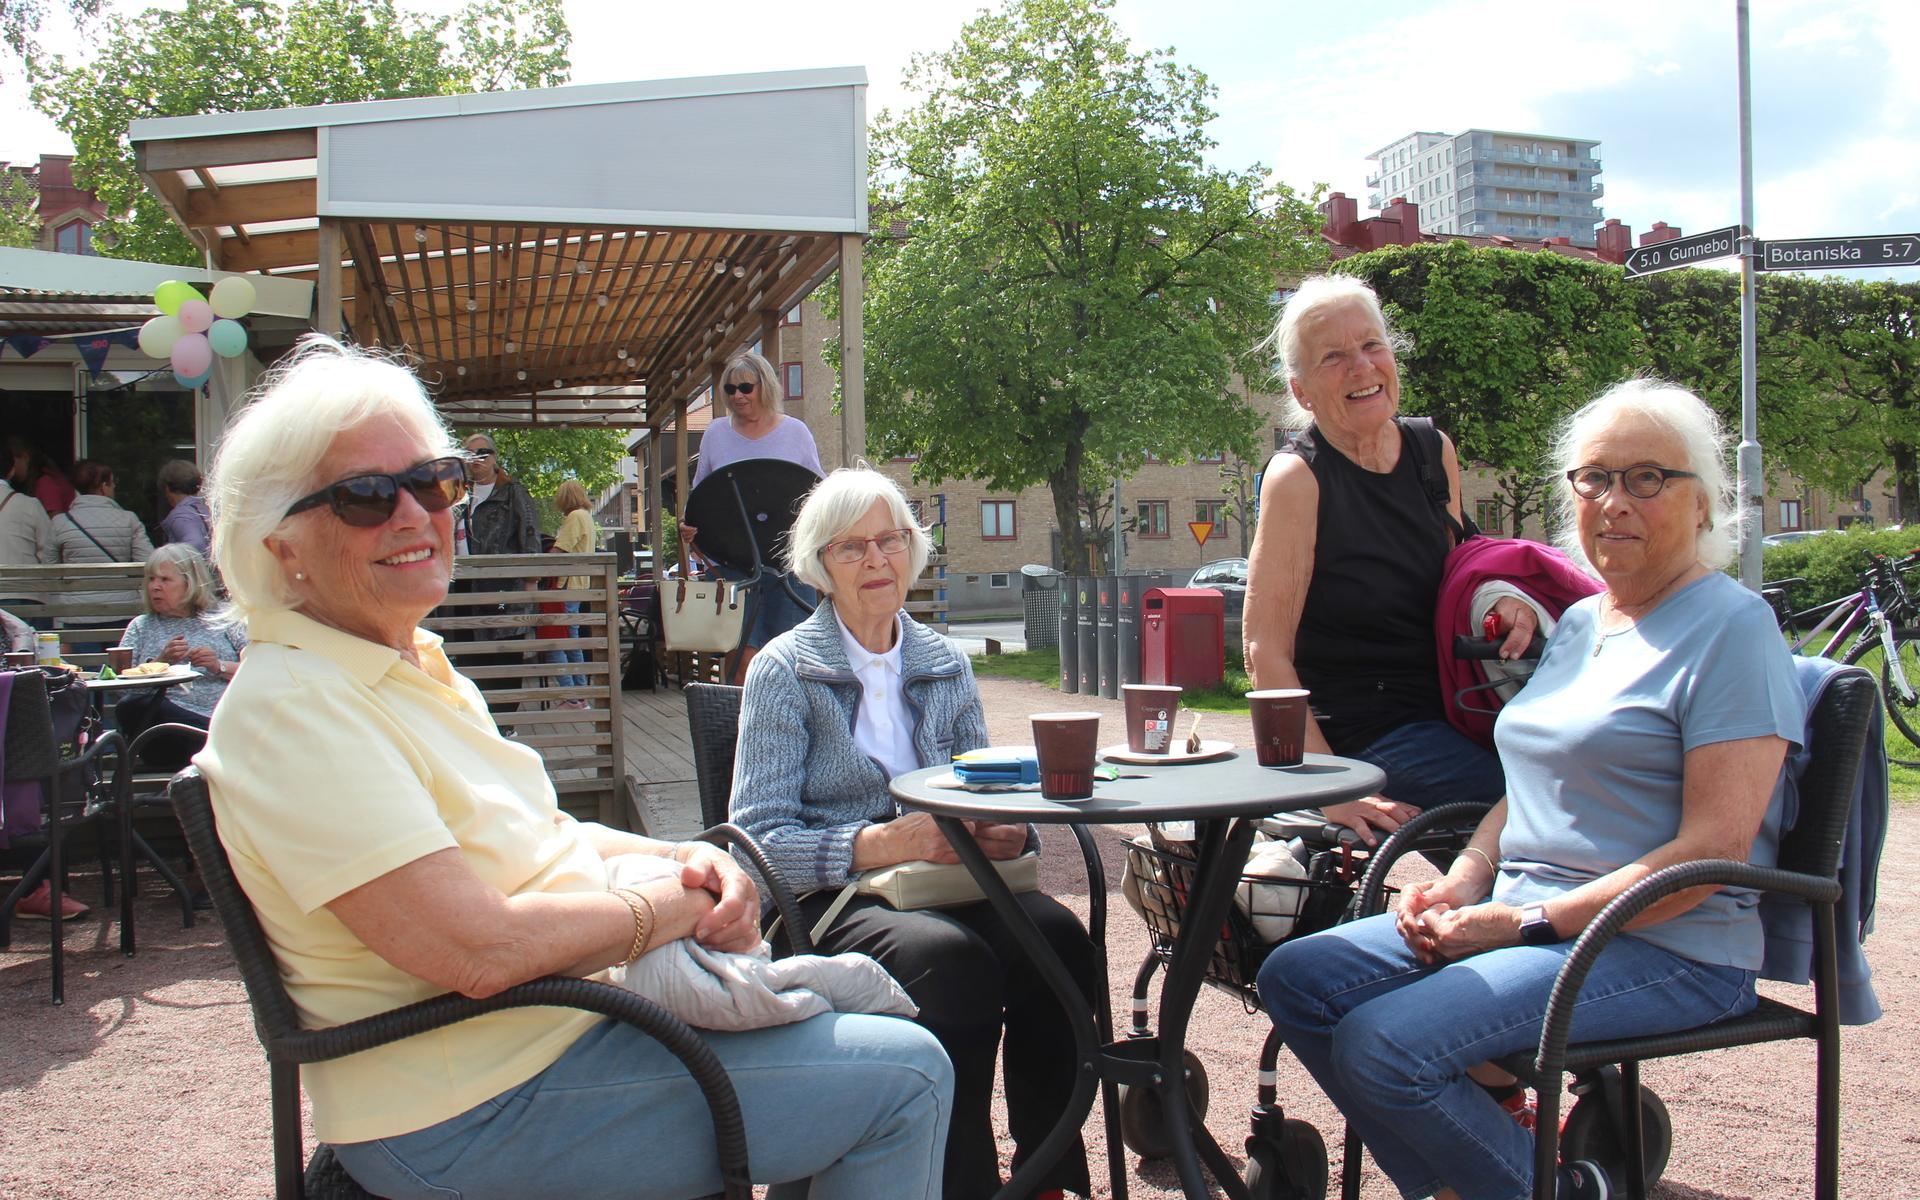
972, 981
137, 712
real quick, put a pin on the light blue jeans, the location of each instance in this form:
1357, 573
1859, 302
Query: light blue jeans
1390, 1040
1430, 763
857, 1103
560, 658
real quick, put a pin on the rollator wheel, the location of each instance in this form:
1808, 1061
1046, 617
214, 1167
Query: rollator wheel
1293, 1167
1589, 1134
1142, 1127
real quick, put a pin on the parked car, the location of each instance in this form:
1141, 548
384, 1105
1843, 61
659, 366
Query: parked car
1791, 535
1228, 576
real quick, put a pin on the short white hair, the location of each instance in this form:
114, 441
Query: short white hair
1675, 411
272, 449
836, 504
1317, 293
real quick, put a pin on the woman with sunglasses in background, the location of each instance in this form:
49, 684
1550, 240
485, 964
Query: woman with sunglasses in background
858, 693
756, 427
396, 847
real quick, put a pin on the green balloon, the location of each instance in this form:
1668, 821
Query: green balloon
228, 338
169, 296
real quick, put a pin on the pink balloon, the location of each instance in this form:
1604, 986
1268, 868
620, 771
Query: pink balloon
192, 355
195, 316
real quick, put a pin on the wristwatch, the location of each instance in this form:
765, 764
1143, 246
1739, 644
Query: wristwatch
1535, 929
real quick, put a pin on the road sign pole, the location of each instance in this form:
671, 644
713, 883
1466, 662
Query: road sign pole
1751, 484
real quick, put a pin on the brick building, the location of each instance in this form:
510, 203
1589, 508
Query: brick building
67, 213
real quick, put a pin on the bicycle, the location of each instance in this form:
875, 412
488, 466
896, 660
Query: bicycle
1878, 628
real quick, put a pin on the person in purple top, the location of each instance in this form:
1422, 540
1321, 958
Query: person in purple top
756, 427
188, 522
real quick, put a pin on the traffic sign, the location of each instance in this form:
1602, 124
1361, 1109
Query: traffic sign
1201, 531
1684, 251
1826, 254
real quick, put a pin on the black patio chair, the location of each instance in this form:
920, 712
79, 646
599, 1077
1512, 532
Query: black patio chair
1604, 1124
73, 794
134, 791
713, 718
288, 1045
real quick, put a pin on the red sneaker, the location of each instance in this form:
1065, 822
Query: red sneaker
38, 905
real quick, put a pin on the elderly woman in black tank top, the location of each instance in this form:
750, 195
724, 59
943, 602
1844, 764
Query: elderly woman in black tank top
1346, 566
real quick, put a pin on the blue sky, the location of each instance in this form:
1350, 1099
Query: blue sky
1308, 89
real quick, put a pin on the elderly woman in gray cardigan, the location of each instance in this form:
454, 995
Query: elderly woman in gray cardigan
854, 695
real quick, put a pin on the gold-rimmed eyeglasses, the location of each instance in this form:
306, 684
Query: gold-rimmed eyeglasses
854, 549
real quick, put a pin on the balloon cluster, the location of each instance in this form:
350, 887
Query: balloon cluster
191, 330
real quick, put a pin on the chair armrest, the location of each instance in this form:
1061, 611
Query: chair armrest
109, 741
680, 1039
1611, 920
1373, 885
729, 834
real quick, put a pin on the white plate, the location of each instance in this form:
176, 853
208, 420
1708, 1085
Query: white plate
1209, 749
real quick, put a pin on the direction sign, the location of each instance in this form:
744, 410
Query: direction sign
1684, 251
1826, 254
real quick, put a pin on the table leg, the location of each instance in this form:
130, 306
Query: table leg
1103, 1013
1085, 1050
1221, 850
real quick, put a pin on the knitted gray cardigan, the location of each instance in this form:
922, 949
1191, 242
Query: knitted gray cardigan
800, 783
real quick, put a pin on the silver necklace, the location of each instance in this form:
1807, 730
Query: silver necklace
1600, 635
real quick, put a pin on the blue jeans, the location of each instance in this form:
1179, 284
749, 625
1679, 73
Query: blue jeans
1430, 763
562, 657
857, 1103
774, 612
1389, 1040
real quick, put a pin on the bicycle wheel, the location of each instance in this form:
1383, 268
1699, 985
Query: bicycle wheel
1867, 652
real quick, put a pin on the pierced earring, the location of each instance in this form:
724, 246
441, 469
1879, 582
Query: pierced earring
300, 576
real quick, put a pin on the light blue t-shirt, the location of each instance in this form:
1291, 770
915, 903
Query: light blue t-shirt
722, 445
1594, 749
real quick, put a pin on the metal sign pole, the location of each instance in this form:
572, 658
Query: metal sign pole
1750, 484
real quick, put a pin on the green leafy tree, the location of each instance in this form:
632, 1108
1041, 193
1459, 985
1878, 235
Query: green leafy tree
1503, 344
1075, 286
19, 216
239, 55
20, 21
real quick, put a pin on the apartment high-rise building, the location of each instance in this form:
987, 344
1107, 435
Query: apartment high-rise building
1485, 182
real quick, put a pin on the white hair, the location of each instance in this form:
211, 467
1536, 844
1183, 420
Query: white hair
1675, 411
202, 594
836, 504
1315, 294
272, 449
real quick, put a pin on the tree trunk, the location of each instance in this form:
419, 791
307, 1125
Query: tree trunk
1906, 503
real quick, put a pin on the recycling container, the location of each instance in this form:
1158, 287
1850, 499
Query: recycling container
1183, 637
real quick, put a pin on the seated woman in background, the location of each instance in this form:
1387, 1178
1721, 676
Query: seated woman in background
180, 625
1652, 734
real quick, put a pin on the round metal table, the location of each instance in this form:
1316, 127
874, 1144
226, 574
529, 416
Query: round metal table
1222, 797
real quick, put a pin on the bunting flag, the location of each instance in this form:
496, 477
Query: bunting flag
26, 345
93, 347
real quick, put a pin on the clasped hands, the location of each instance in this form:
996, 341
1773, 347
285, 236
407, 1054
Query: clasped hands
733, 924
1442, 920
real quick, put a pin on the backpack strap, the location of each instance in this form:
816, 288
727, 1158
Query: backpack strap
1423, 439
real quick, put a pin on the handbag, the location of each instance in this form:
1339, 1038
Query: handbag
907, 886
705, 614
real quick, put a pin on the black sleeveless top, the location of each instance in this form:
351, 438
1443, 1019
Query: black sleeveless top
1365, 645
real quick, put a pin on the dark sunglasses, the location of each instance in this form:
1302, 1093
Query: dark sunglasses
744, 389
482, 453
367, 501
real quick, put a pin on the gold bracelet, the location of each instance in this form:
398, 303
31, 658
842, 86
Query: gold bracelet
643, 923
1483, 858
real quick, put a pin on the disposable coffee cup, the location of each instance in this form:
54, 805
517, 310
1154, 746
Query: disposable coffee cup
18, 659
1065, 743
120, 658
1279, 725
1152, 709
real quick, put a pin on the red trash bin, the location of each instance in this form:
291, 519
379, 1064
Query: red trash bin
1183, 637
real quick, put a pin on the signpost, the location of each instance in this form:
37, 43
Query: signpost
1825, 254
1201, 531
1688, 251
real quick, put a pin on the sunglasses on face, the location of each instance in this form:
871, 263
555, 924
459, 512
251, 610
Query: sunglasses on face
744, 389
853, 550
482, 452
367, 501
1643, 481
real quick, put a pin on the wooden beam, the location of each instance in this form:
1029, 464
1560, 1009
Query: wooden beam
853, 349
328, 317
226, 150
267, 251
680, 488
253, 203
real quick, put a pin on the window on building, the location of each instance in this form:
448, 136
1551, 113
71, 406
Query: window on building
75, 237
905, 458
1212, 458
1150, 458
1789, 515
1150, 518
791, 316
793, 379
997, 521
1215, 511
1859, 492
1000, 579
1486, 513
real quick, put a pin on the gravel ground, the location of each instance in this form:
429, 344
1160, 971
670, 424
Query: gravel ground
149, 1083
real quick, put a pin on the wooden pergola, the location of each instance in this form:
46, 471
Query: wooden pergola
580, 256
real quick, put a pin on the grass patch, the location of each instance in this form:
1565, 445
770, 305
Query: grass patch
1043, 666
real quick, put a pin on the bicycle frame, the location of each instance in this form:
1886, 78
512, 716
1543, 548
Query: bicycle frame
1864, 605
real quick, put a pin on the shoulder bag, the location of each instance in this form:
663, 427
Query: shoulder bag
708, 615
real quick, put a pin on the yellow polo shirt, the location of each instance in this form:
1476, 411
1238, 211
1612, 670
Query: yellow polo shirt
332, 761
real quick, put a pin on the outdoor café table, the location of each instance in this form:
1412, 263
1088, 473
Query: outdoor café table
131, 842
1223, 797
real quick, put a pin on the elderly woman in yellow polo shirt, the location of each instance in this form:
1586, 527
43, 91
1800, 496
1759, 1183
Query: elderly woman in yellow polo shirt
395, 847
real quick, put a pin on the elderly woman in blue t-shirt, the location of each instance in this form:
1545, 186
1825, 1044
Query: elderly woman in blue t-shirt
1652, 734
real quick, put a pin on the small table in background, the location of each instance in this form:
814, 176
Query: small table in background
1223, 798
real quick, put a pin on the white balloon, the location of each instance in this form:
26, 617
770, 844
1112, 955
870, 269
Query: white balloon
232, 298
159, 334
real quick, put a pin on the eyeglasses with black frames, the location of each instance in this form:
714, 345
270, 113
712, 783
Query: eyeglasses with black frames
852, 550
368, 501
1643, 481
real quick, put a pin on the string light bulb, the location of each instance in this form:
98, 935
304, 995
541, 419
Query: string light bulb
559, 383
513, 347
603, 300
739, 271
621, 354
420, 234
461, 369
582, 267
520, 375
472, 304
719, 266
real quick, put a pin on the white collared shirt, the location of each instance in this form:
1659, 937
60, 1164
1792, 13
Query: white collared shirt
883, 728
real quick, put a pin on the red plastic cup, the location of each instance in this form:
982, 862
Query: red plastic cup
1279, 725
120, 658
1065, 743
1152, 709
19, 660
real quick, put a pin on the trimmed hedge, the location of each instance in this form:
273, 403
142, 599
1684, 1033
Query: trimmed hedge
1831, 563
